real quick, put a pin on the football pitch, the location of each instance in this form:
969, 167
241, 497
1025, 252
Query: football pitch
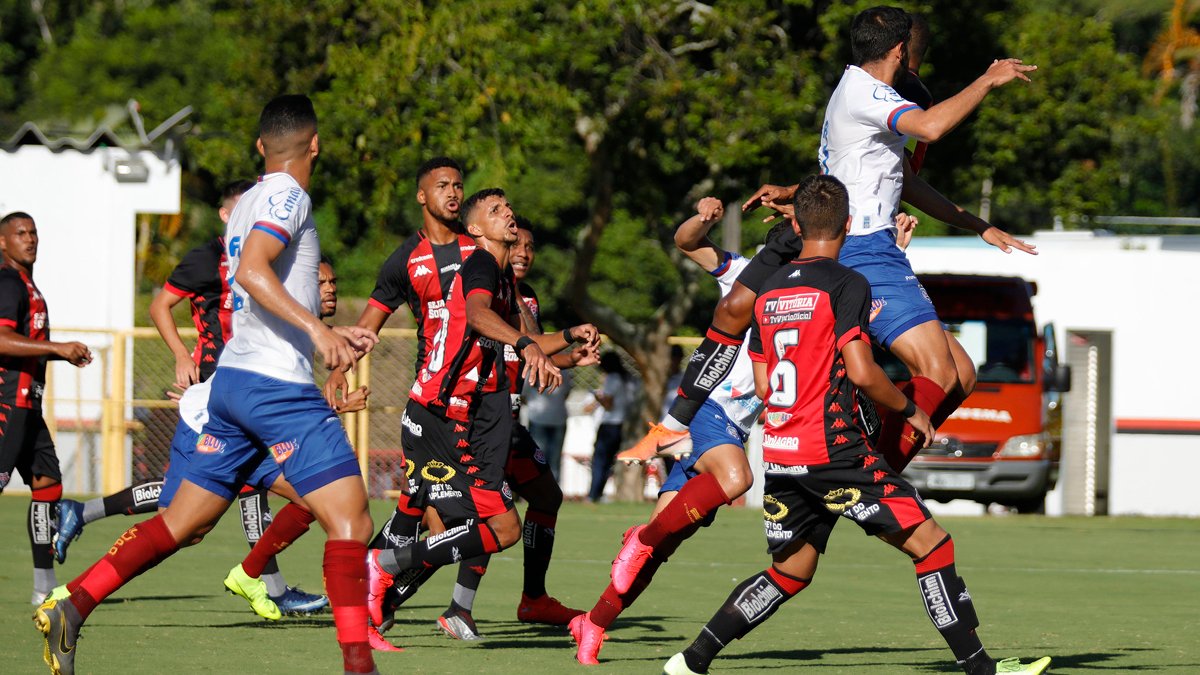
1105, 594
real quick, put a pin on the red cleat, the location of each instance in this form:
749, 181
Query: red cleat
378, 643
545, 609
630, 560
378, 582
658, 442
589, 637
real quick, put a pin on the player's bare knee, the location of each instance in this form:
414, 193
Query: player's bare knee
507, 527
735, 480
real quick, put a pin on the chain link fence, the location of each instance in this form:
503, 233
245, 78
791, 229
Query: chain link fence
113, 423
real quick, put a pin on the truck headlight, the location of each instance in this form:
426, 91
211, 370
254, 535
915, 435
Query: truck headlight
1031, 445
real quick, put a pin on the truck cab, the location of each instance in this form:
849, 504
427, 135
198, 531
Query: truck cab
997, 447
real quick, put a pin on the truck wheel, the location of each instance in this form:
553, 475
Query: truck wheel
1037, 505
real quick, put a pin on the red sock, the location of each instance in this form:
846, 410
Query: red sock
346, 583
697, 499
141, 547
898, 441
286, 527
73, 584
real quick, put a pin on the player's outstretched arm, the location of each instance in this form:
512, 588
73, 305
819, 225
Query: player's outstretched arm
870, 378
258, 278
923, 196
538, 371
13, 343
933, 124
691, 237
161, 307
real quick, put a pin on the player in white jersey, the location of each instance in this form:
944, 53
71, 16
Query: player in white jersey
263, 403
714, 473
862, 145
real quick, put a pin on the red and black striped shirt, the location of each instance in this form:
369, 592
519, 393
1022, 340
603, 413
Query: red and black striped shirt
23, 309
200, 277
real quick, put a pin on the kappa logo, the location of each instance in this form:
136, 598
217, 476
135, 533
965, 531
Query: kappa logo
209, 444
796, 275
281, 451
422, 271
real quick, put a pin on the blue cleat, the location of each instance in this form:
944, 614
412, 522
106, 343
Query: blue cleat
70, 526
296, 602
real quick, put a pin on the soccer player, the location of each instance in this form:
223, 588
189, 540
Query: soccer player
715, 473
25, 347
464, 436
811, 349
866, 123
263, 403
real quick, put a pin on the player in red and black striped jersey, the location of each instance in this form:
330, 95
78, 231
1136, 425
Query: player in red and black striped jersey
811, 348
25, 347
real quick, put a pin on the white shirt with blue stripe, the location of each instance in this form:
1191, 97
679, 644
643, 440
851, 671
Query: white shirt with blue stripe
862, 147
262, 342
735, 395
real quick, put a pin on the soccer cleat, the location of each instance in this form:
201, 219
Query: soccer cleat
459, 625
545, 609
677, 665
254, 590
298, 603
70, 526
589, 637
58, 621
378, 643
1015, 666
630, 560
58, 593
378, 581
659, 441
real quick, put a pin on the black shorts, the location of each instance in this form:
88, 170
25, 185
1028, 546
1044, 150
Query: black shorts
802, 502
462, 474
25, 445
526, 461
778, 252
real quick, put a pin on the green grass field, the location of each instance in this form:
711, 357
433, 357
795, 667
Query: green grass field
1116, 595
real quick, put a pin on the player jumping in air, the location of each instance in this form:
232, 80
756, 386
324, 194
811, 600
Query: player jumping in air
811, 350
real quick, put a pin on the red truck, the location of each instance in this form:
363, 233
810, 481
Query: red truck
998, 446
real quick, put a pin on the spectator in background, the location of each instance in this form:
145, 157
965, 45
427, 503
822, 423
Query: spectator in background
613, 399
547, 415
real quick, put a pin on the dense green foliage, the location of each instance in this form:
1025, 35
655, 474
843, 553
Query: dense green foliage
604, 119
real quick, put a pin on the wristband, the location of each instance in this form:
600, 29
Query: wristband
523, 342
909, 410
568, 336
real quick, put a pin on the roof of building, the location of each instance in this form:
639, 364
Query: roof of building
114, 134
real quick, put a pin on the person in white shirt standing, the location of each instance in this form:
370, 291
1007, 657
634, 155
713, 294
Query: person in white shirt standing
862, 144
263, 403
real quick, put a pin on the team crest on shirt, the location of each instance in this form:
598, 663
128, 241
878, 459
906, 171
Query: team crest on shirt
281, 451
209, 444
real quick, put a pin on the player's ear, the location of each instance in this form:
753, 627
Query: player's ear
314, 146
849, 219
421, 198
224, 214
262, 150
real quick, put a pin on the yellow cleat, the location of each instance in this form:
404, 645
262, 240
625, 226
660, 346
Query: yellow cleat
254, 590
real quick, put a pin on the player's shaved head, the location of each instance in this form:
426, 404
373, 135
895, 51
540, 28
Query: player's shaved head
822, 207
918, 40
876, 31
287, 125
476, 200
11, 219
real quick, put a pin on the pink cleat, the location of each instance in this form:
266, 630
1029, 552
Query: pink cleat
378, 582
378, 643
630, 560
589, 637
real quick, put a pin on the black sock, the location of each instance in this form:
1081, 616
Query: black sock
470, 575
134, 499
708, 367
751, 603
400, 530
537, 535
950, 608
40, 525
256, 517
455, 544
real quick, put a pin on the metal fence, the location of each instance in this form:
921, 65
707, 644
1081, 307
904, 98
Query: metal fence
113, 423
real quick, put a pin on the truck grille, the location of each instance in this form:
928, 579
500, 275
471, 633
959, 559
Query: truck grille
952, 447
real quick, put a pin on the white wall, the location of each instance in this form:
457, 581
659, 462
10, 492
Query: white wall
85, 268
